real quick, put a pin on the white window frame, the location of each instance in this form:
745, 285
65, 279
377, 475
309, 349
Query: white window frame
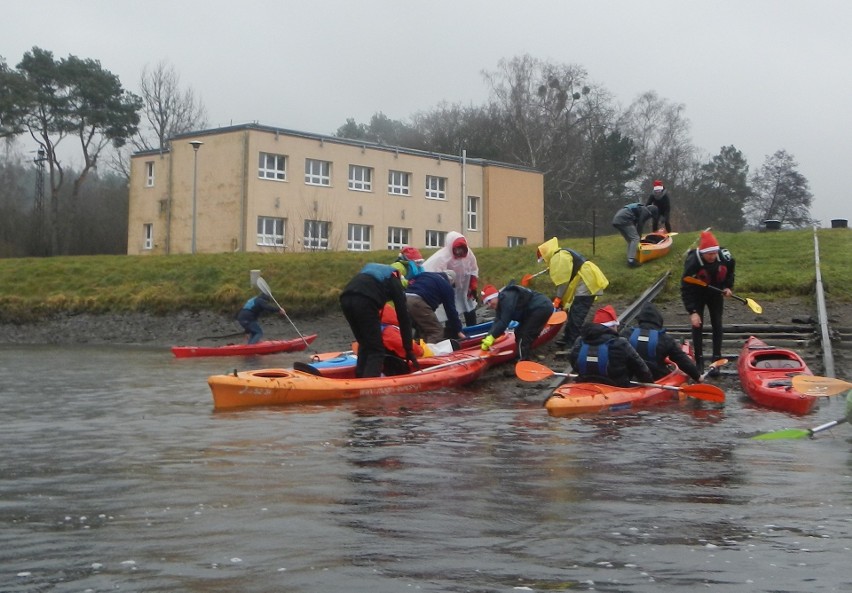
359, 237
473, 213
317, 172
515, 241
271, 231
436, 187
398, 237
149, 173
148, 234
399, 183
272, 166
435, 239
315, 237
360, 178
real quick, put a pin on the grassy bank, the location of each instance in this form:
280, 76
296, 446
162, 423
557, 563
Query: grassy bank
769, 265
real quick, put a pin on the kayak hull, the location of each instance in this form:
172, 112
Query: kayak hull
274, 387
264, 347
766, 376
653, 246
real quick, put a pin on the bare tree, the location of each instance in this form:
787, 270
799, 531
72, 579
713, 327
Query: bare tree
780, 192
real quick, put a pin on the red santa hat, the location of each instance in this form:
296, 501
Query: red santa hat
606, 316
658, 185
707, 243
412, 254
489, 293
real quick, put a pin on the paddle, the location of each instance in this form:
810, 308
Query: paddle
819, 386
525, 281
751, 303
797, 433
557, 318
527, 370
264, 288
714, 365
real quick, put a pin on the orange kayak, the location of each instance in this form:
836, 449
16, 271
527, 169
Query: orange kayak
654, 245
269, 387
265, 347
766, 376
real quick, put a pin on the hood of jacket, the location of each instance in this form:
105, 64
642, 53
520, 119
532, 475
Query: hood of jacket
547, 249
650, 317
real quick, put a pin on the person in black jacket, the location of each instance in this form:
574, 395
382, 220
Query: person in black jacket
247, 316
362, 301
656, 347
529, 308
425, 293
660, 198
600, 355
715, 266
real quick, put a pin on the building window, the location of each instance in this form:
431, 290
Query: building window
149, 174
360, 178
270, 231
148, 231
359, 237
473, 213
399, 183
316, 235
398, 238
435, 238
317, 172
272, 166
516, 241
436, 187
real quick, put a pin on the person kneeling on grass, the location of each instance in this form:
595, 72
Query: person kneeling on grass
529, 308
600, 355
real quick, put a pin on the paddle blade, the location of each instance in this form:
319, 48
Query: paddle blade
754, 306
694, 280
558, 318
263, 286
820, 386
525, 281
709, 393
527, 370
787, 433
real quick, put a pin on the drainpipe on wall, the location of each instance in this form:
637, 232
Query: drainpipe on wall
463, 226
171, 190
243, 206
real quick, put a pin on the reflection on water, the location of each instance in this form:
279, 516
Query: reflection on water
116, 474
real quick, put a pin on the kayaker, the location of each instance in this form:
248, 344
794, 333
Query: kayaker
248, 316
411, 262
630, 220
660, 198
362, 301
529, 308
426, 293
602, 356
578, 283
656, 347
456, 255
715, 266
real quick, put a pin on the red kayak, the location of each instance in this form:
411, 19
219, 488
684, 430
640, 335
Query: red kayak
264, 347
766, 375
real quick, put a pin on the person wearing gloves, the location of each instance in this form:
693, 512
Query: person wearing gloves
247, 316
602, 356
456, 255
529, 308
656, 347
660, 198
578, 283
630, 220
426, 293
715, 266
362, 301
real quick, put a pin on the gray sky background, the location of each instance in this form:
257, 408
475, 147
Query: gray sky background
761, 75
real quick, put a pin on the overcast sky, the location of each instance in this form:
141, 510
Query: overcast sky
761, 75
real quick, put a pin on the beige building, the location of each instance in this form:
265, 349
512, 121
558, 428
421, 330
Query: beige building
256, 188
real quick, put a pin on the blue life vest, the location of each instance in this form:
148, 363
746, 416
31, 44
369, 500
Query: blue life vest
380, 272
594, 360
644, 341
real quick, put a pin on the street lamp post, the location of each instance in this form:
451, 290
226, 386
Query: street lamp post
196, 144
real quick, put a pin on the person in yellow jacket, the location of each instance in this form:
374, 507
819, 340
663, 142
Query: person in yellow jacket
578, 283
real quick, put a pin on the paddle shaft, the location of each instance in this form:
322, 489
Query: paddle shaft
264, 288
826, 426
748, 302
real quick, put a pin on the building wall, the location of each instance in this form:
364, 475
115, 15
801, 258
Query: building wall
230, 194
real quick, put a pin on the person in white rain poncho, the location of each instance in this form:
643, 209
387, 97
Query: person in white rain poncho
457, 256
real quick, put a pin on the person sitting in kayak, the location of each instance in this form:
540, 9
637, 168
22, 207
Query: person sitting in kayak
656, 347
251, 311
395, 363
529, 308
602, 356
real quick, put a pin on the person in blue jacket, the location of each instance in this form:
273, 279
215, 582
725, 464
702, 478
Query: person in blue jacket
362, 301
251, 311
529, 308
425, 293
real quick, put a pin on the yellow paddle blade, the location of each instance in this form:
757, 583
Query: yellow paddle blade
820, 386
754, 306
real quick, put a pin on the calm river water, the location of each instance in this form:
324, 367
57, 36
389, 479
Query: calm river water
116, 475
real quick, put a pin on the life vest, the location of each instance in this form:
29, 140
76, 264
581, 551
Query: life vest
594, 360
714, 273
645, 341
380, 272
